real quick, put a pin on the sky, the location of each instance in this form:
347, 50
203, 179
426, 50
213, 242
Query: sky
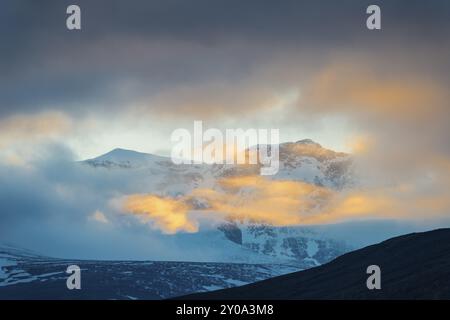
138, 70
135, 72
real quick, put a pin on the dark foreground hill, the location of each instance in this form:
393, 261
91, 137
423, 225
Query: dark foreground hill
413, 266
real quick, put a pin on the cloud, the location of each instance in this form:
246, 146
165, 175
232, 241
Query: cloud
21, 128
169, 215
286, 203
99, 217
319, 205
23, 137
398, 109
207, 101
255, 198
164, 62
351, 88
130, 53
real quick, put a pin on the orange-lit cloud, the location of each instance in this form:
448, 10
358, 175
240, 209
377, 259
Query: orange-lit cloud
169, 215
284, 203
32, 127
360, 145
400, 115
356, 89
242, 198
256, 198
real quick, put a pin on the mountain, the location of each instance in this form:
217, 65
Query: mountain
307, 161
413, 266
304, 160
27, 275
122, 158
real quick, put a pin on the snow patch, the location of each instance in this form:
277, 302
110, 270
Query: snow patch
3, 264
312, 248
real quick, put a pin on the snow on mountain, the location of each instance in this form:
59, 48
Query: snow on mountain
122, 158
308, 161
304, 160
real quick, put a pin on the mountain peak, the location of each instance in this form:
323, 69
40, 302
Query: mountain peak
124, 158
308, 148
308, 141
121, 151
122, 155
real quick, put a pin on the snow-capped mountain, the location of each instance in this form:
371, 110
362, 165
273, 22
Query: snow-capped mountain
304, 160
27, 275
308, 161
122, 158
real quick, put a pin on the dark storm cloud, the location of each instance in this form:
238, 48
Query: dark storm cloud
127, 50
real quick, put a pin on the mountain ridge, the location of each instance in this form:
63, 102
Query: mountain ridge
124, 152
413, 266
